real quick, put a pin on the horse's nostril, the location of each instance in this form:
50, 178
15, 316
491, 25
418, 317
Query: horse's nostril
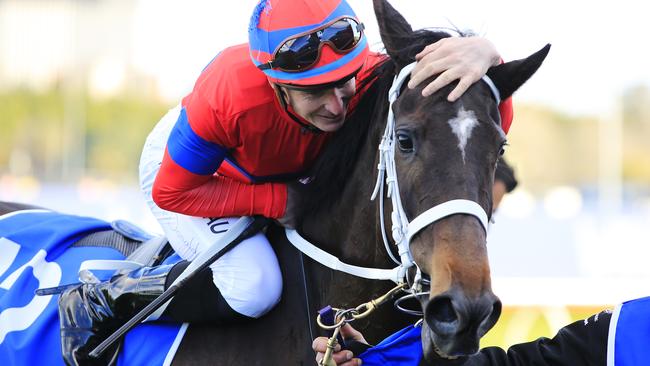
441, 316
442, 310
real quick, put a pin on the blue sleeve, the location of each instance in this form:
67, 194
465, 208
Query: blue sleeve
191, 151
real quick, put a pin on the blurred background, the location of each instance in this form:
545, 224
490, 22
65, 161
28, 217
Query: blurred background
82, 82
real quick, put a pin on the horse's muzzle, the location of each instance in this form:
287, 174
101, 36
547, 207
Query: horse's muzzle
454, 324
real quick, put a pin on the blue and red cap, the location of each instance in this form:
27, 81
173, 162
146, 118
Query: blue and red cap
275, 21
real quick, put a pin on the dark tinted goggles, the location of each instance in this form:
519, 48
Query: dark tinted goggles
303, 51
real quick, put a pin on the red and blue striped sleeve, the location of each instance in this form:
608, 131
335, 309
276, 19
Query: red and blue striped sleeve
191, 151
186, 182
179, 190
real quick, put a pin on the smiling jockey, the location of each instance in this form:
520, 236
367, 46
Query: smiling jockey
227, 150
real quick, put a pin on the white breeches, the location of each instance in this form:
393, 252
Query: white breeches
248, 276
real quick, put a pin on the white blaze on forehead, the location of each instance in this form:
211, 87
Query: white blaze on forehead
462, 126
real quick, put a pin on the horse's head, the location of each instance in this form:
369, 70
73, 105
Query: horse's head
447, 151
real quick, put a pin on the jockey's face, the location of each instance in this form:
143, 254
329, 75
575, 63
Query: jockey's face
325, 108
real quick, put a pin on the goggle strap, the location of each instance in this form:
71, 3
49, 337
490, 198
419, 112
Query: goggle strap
334, 84
266, 65
269, 65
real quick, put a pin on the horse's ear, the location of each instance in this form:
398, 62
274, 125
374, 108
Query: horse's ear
395, 31
508, 77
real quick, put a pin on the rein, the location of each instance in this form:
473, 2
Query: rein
402, 229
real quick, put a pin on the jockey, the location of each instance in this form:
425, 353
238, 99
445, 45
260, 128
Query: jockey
258, 116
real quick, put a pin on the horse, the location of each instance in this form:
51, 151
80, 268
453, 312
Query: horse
444, 151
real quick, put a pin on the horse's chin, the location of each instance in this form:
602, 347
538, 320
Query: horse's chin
447, 354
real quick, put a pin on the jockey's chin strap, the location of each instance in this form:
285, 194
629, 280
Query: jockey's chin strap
402, 229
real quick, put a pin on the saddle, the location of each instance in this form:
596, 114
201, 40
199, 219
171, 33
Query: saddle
140, 248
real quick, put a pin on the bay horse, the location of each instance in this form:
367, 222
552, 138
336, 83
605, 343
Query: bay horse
444, 151
435, 163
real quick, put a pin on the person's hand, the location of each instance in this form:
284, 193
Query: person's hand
466, 59
342, 358
290, 218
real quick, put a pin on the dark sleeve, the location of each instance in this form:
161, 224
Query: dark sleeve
581, 343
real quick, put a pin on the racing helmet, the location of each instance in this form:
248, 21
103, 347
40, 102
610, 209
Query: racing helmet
306, 43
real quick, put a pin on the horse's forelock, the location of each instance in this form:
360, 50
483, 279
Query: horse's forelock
419, 40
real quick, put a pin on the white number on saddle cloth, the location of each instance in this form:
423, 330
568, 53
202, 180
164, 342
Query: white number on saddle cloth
47, 273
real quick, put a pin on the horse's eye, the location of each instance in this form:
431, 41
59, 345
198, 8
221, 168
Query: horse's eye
404, 142
502, 150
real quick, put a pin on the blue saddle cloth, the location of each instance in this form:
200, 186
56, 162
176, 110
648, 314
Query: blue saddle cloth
36, 252
403, 348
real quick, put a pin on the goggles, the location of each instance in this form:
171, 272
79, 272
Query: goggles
303, 51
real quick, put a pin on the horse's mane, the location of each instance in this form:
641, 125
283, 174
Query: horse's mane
333, 168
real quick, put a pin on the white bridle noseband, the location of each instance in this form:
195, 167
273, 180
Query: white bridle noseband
402, 229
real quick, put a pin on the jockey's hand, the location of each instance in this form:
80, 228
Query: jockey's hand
342, 358
465, 59
290, 218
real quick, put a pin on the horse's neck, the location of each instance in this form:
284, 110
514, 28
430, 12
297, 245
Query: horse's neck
350, 228
350, 231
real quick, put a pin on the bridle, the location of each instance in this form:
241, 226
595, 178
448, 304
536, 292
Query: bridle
402, 229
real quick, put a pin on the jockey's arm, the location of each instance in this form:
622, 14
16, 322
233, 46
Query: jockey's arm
179, 190
581, 343
197, 146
